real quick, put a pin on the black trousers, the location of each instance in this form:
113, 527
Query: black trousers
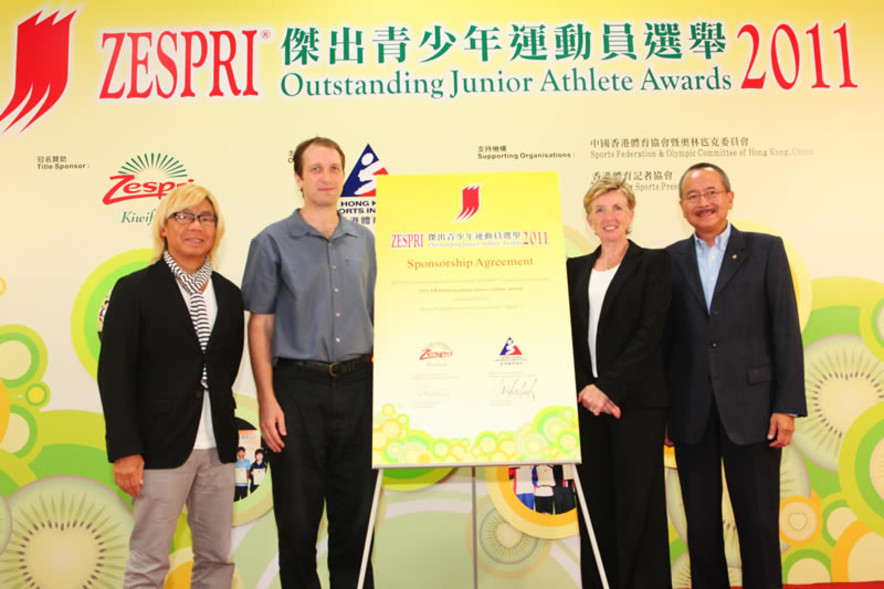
543, 504
327, 458
563, 496
622, 479
753, 482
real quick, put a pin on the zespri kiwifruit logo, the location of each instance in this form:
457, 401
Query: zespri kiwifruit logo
149, 175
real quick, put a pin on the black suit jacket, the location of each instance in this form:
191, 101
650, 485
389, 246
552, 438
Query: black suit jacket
630, 327
746, 351
150, 367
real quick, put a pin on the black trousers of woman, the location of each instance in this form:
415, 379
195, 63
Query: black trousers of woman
622, 479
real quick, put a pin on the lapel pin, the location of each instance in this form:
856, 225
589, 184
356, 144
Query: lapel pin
735, 256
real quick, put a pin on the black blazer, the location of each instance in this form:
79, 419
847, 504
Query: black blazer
150, 366
747, 351
630, 327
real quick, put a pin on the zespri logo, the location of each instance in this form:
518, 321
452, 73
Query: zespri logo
469, 203
436, 354
42, 53
150, 175
169, 64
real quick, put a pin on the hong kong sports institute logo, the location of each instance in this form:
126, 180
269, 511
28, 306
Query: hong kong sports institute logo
42, 54
358, 198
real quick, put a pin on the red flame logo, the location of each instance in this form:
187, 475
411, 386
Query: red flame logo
470, 203
41, 67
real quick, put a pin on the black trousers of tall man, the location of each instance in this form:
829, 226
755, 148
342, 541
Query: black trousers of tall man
327, 458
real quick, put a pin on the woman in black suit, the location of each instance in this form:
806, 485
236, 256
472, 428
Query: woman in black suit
619, 298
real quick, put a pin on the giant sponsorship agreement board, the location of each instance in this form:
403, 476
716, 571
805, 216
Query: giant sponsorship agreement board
473, 358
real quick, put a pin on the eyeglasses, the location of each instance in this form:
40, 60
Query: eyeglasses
711, 195
186, 218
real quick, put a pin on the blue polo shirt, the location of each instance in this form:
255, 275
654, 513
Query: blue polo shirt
320, 290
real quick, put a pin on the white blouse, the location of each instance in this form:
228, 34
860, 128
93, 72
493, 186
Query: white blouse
599, 282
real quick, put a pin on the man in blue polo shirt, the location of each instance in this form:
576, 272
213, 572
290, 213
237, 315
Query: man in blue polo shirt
309, 286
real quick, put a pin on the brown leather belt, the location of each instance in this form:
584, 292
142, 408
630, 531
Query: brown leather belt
333, 369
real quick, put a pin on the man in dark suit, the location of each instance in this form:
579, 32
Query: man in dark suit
171, 349
735, 372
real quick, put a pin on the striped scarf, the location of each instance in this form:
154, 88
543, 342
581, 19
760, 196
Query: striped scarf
193, 285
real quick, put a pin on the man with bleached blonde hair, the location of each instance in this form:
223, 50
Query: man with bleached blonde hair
171, 349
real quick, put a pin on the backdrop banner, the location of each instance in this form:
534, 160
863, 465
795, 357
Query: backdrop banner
106, 106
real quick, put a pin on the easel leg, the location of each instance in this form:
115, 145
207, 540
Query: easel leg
590, 532
475, 535
370, 531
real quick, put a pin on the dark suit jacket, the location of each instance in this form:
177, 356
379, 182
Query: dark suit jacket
747, 351
150, 367
630, 327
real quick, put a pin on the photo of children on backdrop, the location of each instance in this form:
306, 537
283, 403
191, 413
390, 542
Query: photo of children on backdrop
257, 471
250, 468
544, 488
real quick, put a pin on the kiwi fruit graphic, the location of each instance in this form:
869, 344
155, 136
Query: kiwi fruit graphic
861, 469
67, 531
800, 520
502, 549
837, 517
5, 524
804, 566
842, 379
681, 572
503, 543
